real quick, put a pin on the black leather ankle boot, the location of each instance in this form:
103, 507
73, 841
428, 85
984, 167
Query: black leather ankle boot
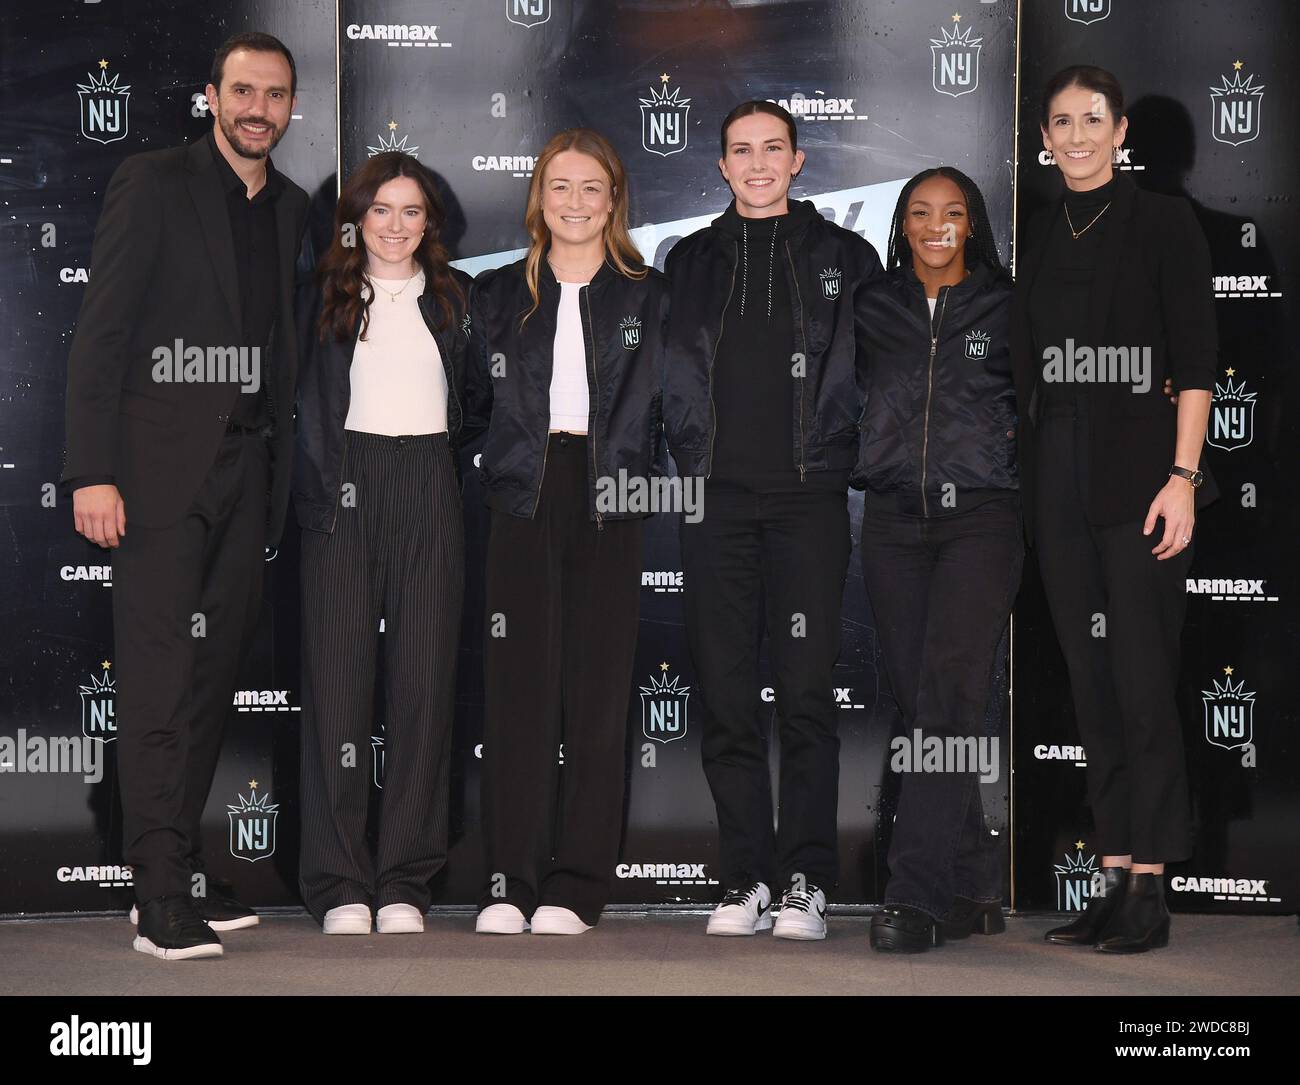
1141, 921
1086, 930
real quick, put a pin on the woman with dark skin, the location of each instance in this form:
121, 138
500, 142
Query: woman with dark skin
941, 538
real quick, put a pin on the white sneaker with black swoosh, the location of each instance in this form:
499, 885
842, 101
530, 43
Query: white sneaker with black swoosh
802, 915
743, 911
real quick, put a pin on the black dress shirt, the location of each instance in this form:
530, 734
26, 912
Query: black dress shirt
257, 261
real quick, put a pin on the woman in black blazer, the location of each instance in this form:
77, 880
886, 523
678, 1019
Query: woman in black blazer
1113, 298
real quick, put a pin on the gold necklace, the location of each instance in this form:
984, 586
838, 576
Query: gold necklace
391, 296
569, 271
1079, 233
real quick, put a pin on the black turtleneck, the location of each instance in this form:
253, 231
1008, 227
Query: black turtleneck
1058, 302
754, 387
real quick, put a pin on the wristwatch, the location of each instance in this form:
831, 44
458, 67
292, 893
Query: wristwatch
1194, 477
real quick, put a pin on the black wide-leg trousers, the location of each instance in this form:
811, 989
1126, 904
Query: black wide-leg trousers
562, 596
397, 553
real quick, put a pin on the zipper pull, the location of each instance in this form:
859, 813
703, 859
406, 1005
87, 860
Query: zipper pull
600, 522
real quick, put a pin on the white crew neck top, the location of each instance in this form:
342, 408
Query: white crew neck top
399, 386
570, 403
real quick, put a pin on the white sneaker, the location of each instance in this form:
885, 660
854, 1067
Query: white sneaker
500, 919
348, 919
548, 919
399, 919
743, 911
802, 914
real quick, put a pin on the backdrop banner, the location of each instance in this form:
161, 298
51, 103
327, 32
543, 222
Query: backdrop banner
473, 89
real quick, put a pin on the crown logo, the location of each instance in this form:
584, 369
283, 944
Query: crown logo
103, 684
956, 38
1237, 86
392, 143
1077, 865
102, 85
831, 273
253, 804
977, 337
1228, 692
630, 322
1234, 390
661, 97
661, 685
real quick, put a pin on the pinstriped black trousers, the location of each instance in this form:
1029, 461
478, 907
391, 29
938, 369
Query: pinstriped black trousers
398, 553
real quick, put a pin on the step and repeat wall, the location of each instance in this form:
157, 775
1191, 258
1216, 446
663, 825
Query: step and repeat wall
1212, 118
473, 89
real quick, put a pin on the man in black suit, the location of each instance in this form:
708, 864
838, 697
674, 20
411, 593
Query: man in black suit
180, 427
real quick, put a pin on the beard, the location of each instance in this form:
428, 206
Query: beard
230, 129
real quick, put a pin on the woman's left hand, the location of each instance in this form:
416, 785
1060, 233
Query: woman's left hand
1176, 502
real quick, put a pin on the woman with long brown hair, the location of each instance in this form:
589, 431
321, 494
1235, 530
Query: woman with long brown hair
377, 491
567, 344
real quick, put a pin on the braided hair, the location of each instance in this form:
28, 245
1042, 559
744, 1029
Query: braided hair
980, 248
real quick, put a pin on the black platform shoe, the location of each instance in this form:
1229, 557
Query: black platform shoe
1141, 922
899, 928
1086, 930
967, 917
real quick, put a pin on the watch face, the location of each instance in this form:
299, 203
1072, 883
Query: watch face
1197, 478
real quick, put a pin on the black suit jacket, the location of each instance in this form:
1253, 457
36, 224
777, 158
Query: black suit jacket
1153, 288
162, 270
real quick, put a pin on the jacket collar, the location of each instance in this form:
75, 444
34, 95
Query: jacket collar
800, 218
546, 277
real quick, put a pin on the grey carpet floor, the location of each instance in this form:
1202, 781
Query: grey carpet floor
635, 954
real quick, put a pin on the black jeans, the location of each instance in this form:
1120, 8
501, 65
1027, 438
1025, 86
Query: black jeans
176, 689
776, 559
1123, 683
398, 553
563, 596
941, 589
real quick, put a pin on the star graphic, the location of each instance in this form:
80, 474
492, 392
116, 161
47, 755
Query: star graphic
103, 63
956, 17
663, 666
1230, 371
1236, 65
663, 78
1227, 671
106, 664
252, 784
392, 126
1079, 845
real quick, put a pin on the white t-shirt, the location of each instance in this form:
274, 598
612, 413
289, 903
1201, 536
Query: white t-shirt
933, 302
399, 386
570, 402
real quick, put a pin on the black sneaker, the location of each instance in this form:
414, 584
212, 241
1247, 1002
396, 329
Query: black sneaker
171, 928
221, 909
